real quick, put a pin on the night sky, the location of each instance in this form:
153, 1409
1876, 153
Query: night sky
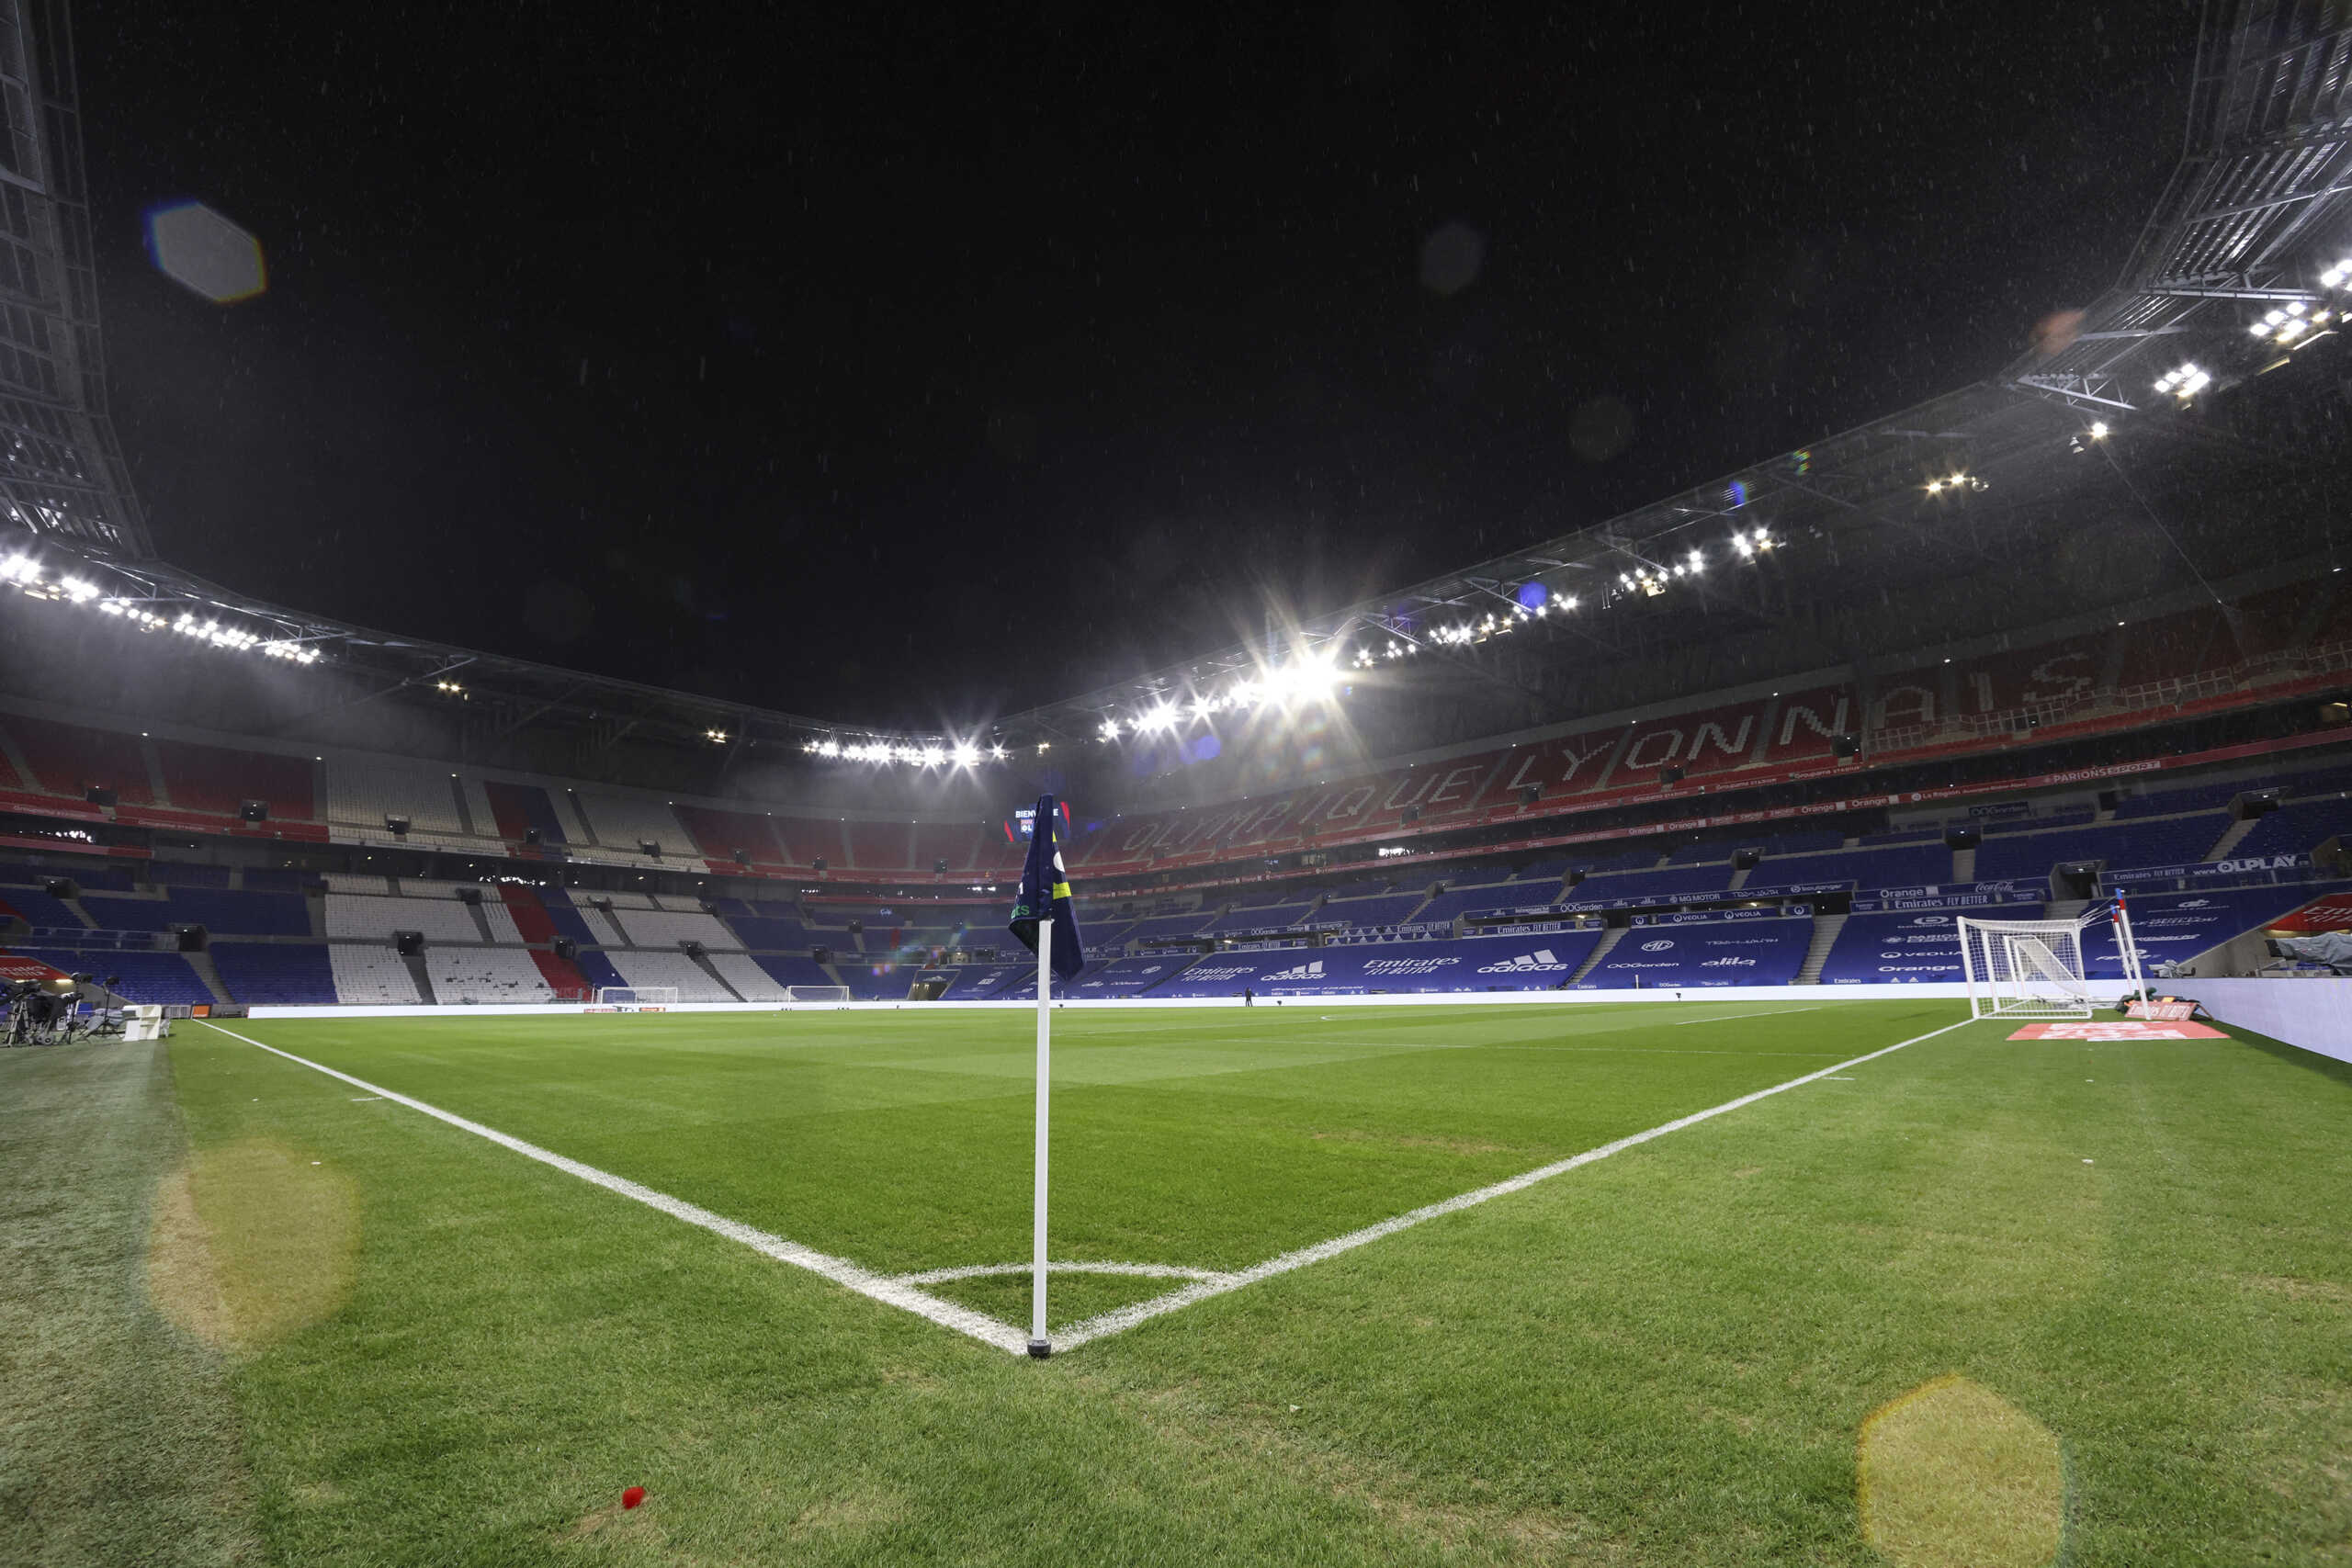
902, 369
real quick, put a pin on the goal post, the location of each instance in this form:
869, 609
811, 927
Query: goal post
831, 996
2036, 968
635, 998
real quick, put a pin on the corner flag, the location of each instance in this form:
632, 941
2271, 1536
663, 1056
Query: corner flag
1047, 926
1044, 894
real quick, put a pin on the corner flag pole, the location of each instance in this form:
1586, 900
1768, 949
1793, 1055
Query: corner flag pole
1039, 1345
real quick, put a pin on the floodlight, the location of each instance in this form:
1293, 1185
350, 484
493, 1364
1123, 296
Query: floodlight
1696, 561
966, 754
19, 568
2335, 276
996, 752
1162, 717
2098, 430
1110, 729
830, 748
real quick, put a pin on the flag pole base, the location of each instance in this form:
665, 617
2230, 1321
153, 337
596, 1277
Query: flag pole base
1039, 1349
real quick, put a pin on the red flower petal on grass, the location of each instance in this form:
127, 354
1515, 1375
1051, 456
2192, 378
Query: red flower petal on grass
632, 1497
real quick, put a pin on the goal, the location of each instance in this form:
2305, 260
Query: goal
636, 998
2036, 968
837, 995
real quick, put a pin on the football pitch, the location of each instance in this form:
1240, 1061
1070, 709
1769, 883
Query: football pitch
1363, 1284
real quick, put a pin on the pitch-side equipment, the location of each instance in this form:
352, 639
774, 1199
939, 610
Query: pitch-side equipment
835, 996
2036, 968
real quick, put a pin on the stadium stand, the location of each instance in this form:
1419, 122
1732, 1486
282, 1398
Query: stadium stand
1385, 911
2296, 828
882, 845
368, 973
259, 880
519, 809
651, 928
473, 974
787, 971
241, 914
218, 780
746, 978
365, 790
646, 967
623, 822
68, 759
1261, 917
440, 920
275, 972
163, 978
356, 882
36, 907
721, 834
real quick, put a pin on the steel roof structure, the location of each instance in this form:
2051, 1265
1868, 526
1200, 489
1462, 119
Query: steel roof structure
2247, 226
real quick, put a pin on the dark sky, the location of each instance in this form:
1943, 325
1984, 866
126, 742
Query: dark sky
892, 368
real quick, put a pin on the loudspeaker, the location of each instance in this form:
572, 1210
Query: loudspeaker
939, 867
1962, 837
857, 927
566, 949
650, 847
743, 857
188, 939
821, 955
99, 795
398, 826
1670, 775
408, 944
530, 835
1845, 746
690, 948
818, 863
469, 895
57, 887
253, 810
1412, 814
1530, 793
1745, 860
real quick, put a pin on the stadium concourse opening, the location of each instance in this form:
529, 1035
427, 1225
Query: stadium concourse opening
1097, 847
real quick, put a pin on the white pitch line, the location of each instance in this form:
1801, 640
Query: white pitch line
839, 1270
901, 1292
985, 1271
1121, 1319
1727, 1016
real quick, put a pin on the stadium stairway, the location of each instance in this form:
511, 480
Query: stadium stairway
703, 963
563, 978
2230, 837
205, 971
1738, 881
1609, 939
415, 961
1963, 867
314, 897
1825, 937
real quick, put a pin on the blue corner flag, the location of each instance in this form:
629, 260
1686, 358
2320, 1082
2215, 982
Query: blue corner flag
1044, 894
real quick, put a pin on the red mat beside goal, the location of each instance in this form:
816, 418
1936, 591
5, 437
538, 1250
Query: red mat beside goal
2119, 1029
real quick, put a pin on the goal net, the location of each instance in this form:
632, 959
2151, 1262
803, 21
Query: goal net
2035, 968
837, 995
636, 998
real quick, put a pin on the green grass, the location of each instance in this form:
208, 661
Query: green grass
1663, 1357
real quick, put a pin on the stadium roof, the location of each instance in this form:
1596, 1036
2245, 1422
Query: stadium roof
2250, 225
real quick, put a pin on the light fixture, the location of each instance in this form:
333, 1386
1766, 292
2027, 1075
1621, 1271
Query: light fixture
2185, 382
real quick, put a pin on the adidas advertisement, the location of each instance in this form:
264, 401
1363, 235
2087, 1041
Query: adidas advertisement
1765, 953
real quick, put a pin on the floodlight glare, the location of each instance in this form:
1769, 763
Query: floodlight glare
2098, 430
